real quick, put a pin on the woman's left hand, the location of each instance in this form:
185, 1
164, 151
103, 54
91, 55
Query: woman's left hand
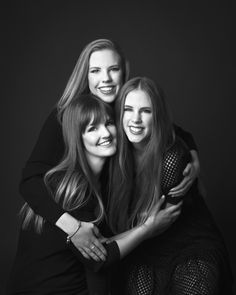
190, 173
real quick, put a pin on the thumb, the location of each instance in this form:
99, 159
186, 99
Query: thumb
96, 232
158, 205
187, 169
162, 200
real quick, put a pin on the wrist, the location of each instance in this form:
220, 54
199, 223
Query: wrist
67, 223
145, 231
69, 237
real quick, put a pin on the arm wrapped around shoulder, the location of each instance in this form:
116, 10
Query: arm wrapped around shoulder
174, 162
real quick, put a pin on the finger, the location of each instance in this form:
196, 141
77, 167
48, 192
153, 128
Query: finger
96, 232
160, 202
84, 253
182, 187
103, 240
99, 249
187, 169
175, 208
157, 206
184, 190
92, 253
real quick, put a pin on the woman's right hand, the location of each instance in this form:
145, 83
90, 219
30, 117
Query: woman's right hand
87, 241
161, 219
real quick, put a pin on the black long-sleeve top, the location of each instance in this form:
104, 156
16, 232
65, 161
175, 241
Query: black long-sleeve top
46, 154
46, 264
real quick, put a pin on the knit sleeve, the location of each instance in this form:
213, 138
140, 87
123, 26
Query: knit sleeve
46, 153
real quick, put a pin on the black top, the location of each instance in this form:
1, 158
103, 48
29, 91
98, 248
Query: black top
46, 264
190, 257
46, 154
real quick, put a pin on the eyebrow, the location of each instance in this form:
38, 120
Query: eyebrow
97, 67
147, 107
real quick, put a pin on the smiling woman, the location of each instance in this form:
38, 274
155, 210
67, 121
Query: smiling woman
189, 256
105, 74
137, 120
99, 139
101, 69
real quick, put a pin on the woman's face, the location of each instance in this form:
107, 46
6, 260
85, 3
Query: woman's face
105, 74
100, 140
137, 118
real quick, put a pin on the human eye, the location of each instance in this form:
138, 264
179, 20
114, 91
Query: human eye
147, 111
127, 109
91, 128
110, 122
94, 71
115, 69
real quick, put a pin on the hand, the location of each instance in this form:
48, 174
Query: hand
162, 219
88, 241
191, 172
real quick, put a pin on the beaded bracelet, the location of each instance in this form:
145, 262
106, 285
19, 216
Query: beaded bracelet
69, 237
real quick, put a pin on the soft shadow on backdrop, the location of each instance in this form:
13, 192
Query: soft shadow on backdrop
185, 46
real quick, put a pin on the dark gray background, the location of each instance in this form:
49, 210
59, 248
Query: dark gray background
186, 46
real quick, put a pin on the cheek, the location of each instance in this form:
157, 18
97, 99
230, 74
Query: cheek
87, 142
124, 122
117, 77
91, 84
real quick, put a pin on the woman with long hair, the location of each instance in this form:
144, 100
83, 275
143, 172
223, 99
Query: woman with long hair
101, 69
190, 257
47, 262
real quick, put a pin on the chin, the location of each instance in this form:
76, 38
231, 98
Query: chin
108, 99
135, 140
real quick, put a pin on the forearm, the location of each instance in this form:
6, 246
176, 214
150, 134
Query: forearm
34, 192
46, 154
129, 240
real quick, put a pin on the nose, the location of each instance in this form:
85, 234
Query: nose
105, 132
136, 118
106, 76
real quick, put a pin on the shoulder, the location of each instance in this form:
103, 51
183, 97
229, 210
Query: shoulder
52, 119
52, 126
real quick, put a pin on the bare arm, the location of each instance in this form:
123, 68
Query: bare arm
159, 221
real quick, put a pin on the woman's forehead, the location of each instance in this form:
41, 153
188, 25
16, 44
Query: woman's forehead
104, 57
138, 98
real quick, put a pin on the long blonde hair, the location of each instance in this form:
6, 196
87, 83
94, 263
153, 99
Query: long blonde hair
71, 183
136, 189
78, 81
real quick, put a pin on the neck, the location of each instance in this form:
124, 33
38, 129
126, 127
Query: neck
96, 164
138, 151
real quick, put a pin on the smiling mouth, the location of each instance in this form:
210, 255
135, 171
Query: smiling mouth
106, 143
107, 89
136, 130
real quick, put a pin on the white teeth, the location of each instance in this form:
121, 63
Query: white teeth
105, 143
107, 89
137, 130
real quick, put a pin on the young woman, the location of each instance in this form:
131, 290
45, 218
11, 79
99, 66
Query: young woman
46, 260
190, 257
101, 69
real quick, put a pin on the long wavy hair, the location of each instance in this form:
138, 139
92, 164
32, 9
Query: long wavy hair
71, 183
78, 81
136, 186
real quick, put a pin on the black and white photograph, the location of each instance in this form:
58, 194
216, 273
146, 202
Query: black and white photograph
118, 148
